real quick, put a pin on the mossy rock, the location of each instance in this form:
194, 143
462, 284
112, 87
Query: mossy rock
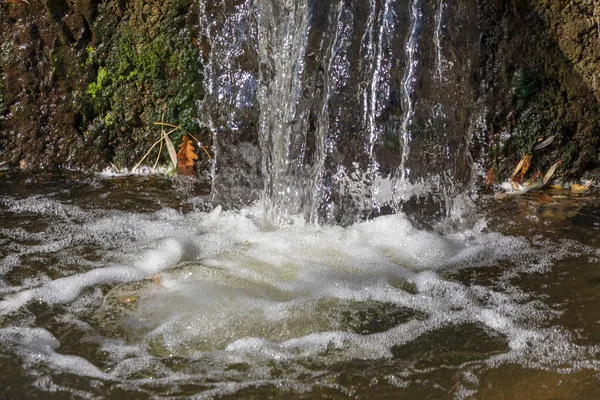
81, 82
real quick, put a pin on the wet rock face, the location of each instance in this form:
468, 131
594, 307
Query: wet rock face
82, 82
537, 73
42, 48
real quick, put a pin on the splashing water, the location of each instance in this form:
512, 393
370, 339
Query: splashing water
330, 113
148, 301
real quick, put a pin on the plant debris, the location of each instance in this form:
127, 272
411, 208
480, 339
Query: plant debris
186, 157
550, 172
544, 143
184, 160
576, 188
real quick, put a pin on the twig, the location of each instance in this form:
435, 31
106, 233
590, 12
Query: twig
153, 146
187, 133
159, 152
115, 167
162, 132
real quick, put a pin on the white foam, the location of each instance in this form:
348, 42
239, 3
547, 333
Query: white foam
37, 345
231, 291
143, 170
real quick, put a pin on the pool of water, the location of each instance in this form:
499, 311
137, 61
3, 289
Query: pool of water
139, 287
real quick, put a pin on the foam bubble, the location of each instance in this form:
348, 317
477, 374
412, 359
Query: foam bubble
37, 345
226, 290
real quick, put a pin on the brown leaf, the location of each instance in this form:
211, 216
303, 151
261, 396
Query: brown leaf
525, 167
490, 178
186, 157
575, 188
550, 172
170, 148
516, 171
128, 300
522, 167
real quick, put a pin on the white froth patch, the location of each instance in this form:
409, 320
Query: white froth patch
37, 345
351, 263
144, 170
227, 286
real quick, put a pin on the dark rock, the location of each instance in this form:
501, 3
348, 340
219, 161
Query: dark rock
82, 82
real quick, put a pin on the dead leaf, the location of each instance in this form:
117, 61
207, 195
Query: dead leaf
128, 300
156, 279
186, 157
543, 144
523, 164
525, 167
550, 172
169, 143
517, 187
576, 188
490, 178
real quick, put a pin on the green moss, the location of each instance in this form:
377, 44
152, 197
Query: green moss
6, 53
146, 64
109, 119
95, 88
530, 127
569, 153
90, 51
525, 84
65, 64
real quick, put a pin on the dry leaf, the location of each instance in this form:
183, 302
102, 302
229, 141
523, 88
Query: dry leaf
519, 166
186, 157
550, 172
156, 279
517, 187
575, 188
525, 167
522, 167
171, 148
545, 143
490, 178
128, 300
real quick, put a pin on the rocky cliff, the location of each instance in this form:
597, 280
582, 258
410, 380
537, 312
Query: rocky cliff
539, 63
82, 82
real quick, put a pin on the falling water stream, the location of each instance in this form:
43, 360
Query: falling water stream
341, 131
341, 110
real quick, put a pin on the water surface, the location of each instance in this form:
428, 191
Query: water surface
139, 287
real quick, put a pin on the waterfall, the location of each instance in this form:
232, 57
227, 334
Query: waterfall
408, 87
340, 110
283, 122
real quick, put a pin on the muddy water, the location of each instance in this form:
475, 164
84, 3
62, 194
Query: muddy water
137, 287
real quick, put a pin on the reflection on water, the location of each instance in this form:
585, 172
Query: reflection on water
136, 287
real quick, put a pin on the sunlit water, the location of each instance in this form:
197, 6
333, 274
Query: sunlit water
135, 287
